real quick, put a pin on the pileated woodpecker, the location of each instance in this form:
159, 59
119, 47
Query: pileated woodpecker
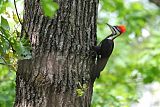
105, 48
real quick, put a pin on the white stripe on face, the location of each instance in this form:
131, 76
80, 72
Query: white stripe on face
115, 32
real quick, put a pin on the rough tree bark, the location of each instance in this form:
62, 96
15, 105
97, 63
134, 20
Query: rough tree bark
62, 61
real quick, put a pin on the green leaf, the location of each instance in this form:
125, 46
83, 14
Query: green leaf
15, 18
4, 23
2, 6
49, 7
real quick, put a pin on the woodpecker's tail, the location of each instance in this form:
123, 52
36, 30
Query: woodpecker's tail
100, 66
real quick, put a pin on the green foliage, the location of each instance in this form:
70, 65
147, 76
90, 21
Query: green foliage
11, 45
49, 7
3, 5
7, 87
4, 23
136, 56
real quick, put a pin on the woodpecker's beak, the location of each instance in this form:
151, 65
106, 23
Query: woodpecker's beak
109, 25
112, 29
113, 35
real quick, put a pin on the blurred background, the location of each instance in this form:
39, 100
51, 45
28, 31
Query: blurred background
131, 77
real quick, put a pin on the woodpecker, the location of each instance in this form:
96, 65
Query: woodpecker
105, 48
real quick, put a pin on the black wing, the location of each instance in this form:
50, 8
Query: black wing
105, 50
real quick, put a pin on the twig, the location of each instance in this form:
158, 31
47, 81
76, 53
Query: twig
19, 18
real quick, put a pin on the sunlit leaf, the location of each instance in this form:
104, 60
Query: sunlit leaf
4, 23
49, 7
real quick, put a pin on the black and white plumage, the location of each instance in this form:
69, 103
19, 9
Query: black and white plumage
105, 48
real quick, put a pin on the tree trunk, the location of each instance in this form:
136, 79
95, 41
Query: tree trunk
59, 72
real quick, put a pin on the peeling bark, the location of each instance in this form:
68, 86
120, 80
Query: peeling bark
62, 60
